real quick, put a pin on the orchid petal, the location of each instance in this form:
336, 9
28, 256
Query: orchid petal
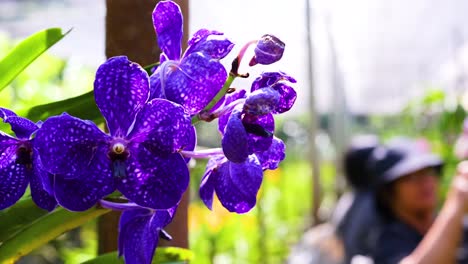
168, 24
235, 140
153, 181
83, 193
209, 43
14, 177
22, 127
195, 82
68, 144
121, 89
163, 127
271, 158
238, 184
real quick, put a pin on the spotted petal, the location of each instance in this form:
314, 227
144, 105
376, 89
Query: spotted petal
14, 177
6, 146
260, 131
268, 79
209, 43
235, 139
288, 97
208, 181
121, 88
22, 127
168, 24
137, 240
153, 181
195, 82
163, 127
262, 101
68, 144
229, 99
83, 193
238, 184
271, 158
41, 186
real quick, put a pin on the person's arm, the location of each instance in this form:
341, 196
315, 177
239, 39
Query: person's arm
441, 242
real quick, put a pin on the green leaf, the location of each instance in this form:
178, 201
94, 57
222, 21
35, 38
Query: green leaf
164, 255
23, 213
82, 106
43, 230
26, 52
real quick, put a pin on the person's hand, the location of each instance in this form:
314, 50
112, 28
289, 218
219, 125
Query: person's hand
459, 190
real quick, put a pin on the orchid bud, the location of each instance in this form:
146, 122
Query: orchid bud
269, 49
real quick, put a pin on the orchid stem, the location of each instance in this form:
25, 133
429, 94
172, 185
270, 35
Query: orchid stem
202, 154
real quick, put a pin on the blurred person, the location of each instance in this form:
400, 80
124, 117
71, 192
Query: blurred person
412, 232
348, 233
355, 216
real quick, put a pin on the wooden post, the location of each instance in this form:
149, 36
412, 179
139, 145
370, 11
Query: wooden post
130, 32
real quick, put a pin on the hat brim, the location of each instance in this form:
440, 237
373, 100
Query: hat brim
412, 164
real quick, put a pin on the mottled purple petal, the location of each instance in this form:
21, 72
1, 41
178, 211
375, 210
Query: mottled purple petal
235, 139
260, 131
153, 181
162, 218
271, 158
269, 50
195, 82
288, 97
238, 184
262, 101
83, 193
7, 144
229, 99
68, 144
125, 218
209, 43
192, 141
14, 177
268, 79
156, 90
22, 127
41, 197
137, 240
41, 185
121, 88
208, 181
168, 24
163, 127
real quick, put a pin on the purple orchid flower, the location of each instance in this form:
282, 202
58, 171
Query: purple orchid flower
140, 156
139, 230
237, 184
249, 127
139, 233
20, 165
194, 78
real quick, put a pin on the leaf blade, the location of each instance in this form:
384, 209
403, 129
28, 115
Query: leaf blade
26, 52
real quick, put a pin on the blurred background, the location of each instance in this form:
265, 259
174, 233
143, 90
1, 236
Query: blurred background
367, 66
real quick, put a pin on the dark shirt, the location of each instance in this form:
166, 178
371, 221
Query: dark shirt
357, 223
398, 240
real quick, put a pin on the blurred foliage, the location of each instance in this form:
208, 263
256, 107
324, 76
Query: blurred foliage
436, 116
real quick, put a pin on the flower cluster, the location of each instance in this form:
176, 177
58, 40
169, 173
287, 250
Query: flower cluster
150, 137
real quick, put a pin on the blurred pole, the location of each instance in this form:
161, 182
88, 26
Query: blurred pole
313, 153
130, 32
339, 118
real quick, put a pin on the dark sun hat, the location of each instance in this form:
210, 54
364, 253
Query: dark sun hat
401, 157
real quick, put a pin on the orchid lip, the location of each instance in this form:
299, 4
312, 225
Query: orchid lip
24, 153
